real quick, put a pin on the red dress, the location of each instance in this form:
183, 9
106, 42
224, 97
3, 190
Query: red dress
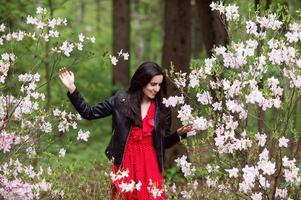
144, 180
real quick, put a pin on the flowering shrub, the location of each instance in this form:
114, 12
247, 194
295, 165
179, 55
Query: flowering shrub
255, 80
26, 129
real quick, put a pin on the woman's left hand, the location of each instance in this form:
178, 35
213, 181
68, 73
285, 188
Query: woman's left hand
185, 129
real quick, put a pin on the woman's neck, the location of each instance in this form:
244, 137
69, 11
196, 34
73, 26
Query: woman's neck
145, 99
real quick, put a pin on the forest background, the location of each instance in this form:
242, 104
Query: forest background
178, 31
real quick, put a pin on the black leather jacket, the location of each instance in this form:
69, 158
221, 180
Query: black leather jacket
121, 126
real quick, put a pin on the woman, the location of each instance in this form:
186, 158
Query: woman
141, 129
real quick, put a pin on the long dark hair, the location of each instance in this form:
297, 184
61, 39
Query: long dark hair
143, 75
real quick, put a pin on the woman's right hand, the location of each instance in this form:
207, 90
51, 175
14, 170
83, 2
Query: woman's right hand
67, 78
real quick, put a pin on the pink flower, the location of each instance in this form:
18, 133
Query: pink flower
66, 48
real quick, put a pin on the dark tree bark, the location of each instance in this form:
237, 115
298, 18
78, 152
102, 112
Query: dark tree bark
177, 39
196, 34
176, 49
177, 35
214, 29
121, 40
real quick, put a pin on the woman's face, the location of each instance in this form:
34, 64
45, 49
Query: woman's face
153, 87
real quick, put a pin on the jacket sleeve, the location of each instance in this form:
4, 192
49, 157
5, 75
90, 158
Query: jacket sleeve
171, 139
100, 110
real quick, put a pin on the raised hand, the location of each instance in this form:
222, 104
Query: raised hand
67, 78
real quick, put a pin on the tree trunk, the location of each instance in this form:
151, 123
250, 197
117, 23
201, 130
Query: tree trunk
177, 35
176, 49
121, 40
177, 39
196, 35
213, 26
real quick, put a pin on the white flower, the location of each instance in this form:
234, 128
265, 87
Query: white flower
80, 46
119, 175
233, 172
92, 39
261, 139
186, 194
46, 127
267, 167
200, 123
204, 98
185, 166
251, 28
282, 193
138, 186
2, 28
81, 37
56, 112
83, 135
41, 10
127, 187
283, 142
184, 114
53, 33
66, 48
232, 12
114, 60
173, 101
257, 196
217, 106
62, 152
125, 56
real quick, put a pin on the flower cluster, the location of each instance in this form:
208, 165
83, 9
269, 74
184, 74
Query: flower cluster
259, 74
83, 135
24, 122
12, 185
185, 166
66, 120
230, 11
7, 140
6, 62
114, 59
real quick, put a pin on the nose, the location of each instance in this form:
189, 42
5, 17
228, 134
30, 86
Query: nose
157, 88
